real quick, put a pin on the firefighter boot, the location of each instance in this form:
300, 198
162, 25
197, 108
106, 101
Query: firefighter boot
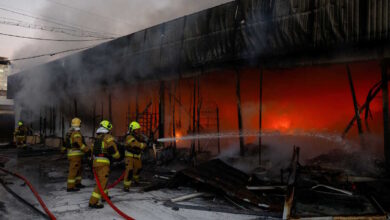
96, 206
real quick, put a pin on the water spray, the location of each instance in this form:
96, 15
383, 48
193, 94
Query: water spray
226, 135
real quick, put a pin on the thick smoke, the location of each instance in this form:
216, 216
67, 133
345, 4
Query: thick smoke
109, 19
95, 78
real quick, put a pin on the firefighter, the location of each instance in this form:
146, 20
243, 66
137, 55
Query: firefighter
134, 146
20, 134
103, 148
76, 148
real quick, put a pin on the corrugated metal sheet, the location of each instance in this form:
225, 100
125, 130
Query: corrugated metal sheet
275, 33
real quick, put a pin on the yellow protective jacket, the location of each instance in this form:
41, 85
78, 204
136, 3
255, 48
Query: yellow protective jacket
103, 147
77, 146
21, 131
133, 146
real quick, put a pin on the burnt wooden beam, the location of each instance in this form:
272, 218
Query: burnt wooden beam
173, 118
219, 139
239, 115
355, 103
372, 94
161, 110
260, 112
198, 107
192, 153
385, 100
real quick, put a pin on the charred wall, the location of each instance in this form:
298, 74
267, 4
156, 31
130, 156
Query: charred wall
276, 35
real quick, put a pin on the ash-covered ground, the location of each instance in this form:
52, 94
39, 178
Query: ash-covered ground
48, 176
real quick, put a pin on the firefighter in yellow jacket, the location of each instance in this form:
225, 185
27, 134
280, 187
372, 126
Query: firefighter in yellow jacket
103, 148
134, 147
20, 134
76, 148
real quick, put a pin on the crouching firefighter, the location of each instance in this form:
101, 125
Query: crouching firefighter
103, 149
133, 149
75, 146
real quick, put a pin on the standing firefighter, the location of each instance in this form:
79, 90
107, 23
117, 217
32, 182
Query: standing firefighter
103, 148
134, 147
20, 134
76, 148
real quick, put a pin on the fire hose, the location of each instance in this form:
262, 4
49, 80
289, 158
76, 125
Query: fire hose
52, 217
116, 181
108, 199
25, 202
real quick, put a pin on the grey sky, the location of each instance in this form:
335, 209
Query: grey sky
116, 17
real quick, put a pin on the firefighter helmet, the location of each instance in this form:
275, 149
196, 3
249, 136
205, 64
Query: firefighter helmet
134, 126
76, 122
106, 124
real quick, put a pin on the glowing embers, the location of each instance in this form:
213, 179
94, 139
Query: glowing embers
282, 123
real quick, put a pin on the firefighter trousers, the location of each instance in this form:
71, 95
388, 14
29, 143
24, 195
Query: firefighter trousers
102, 171
133, 169
20, 141
75, 170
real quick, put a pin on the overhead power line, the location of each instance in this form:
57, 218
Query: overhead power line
52, 39
70, 32
88, 12
49, 54
53, 21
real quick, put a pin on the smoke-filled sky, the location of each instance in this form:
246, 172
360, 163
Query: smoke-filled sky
112, 18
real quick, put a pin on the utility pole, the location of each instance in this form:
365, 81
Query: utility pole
238, 96
260, 112
385, 100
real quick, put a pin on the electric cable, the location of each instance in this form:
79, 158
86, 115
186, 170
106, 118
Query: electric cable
53, 21
49, 54
53, 39
61, 30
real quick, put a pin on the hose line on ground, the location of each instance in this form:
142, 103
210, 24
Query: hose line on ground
117, 181
23, 200
52, 217
108, 199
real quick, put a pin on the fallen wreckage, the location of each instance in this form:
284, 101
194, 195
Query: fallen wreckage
304, 192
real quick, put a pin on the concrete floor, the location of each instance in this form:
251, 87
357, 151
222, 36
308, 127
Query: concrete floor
74, 205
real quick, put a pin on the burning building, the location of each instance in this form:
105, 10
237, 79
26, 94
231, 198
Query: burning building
314, 64
244, 68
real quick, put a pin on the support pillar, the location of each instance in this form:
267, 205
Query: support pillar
239, 115
260, 112
386, 128
161, 111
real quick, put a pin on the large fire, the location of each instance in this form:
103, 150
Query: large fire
305, 99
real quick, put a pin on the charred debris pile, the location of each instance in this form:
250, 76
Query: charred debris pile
325, 186
314, 190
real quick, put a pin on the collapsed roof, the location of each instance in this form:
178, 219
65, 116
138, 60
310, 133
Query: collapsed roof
272, 33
